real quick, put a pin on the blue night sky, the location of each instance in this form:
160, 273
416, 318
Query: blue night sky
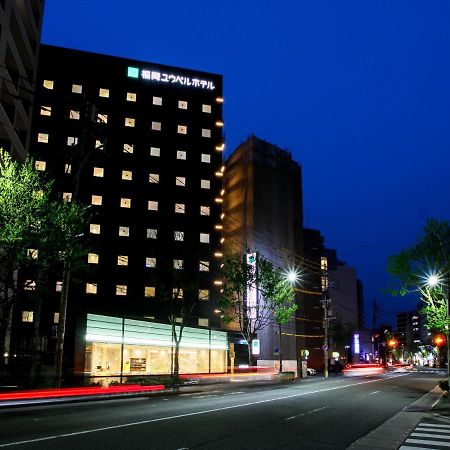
359, 91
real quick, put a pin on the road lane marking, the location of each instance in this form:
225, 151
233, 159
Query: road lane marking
375, 392
179, 416
307, 412
427, 442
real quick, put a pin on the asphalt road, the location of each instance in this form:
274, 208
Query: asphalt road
314, 414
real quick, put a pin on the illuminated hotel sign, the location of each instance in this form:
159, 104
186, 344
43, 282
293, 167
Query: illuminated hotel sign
356, 344
251, 290
170, 78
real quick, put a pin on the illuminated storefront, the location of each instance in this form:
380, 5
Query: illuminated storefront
117, 346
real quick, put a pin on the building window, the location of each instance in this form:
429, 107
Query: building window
77, 88
178, 264
124, 231
125, 202
102, 118
203, 322
177, 293
91, 288
205, 184
180, 181
103, 92
152, 205
150, 262
48, 84
182, 104
204, 238
58, 287
182, 129
43, 138
96, 200
205, 158
206, 133
155, 151
46, 111
32, 253
27, 316
72, 140
127, 175
181, 154
129, 122
131, 97
121, 289
74, 115
203, 294
98, 144
56, 317
156, 126
99, 172
149, 291
94, 228
67, 197
128, 148
68, 169
203, 266
178, 235
152, 233
122, 260
180, 208
206, 109
157, 101
204, 210
40, 165
29, 285
153, 178
92, 258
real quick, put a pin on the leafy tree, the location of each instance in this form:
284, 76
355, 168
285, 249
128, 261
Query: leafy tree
274, 298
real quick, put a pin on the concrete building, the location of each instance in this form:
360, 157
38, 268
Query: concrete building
20, 29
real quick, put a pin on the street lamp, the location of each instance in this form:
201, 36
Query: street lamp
292, 275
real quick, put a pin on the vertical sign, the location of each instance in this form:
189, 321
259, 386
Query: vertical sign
251, 290
356, 344
256, 347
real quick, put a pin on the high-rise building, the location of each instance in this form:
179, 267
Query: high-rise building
141, 144
20, 29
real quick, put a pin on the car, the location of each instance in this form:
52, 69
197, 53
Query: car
310, 371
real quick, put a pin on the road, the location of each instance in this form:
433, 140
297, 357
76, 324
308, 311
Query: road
312, 414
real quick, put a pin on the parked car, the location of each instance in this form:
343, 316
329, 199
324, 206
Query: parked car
310, 371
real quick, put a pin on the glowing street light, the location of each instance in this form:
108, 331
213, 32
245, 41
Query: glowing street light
433, 280
292, 275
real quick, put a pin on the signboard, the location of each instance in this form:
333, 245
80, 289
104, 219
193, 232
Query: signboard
256, 347
251, 290
356, 349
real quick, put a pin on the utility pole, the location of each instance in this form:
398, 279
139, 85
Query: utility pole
326, 304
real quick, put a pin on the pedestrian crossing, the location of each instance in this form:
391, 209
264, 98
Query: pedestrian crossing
428, 435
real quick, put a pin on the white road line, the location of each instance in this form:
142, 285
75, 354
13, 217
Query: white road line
307, 412
429, 435
408, 447
433, 430
433, 425
427, 442
179, 416
375, 392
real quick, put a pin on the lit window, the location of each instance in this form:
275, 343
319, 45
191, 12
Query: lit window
206, 109
181, 154
149, 291
178, 235
98, 144
156, 126
157, 101
46, 111
58, 286
178, 264
48, 84
204, 210
56, 317
180, 181
178, 320
131, 97
74, 115
29, 285
77, 88
150, 262
121, 289
127, 175
203, 294
125, 202
67, 197
203, 322
94, 228
27, 316
91, 288
122, 260
128, 148
206, 133
102, 118
152, 205
92, 258
155, 151
129, 122
152, 233
72, 140
182, 104
177, 293
204, 266
204, 238
205, 158
32, 253
43, 137
182, 129
180, 208
103, 92
205, 184
124, 231
99, 172
40, 165
153, 178
96, 200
